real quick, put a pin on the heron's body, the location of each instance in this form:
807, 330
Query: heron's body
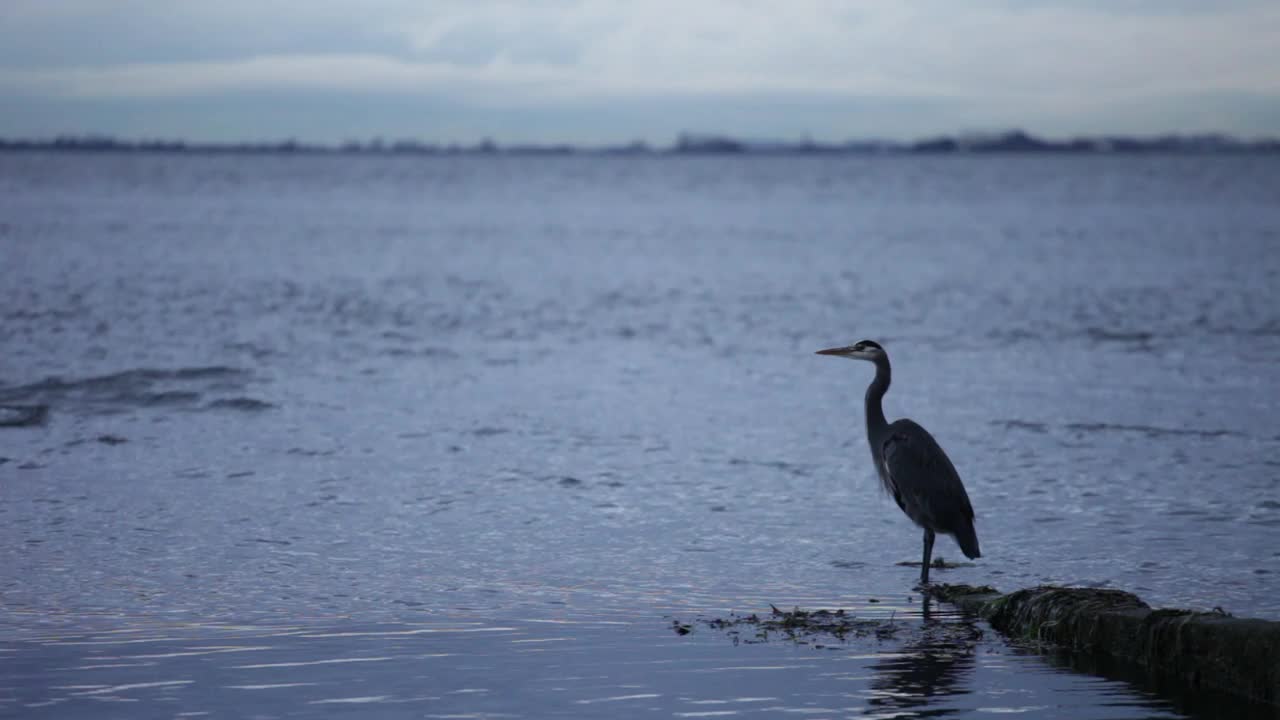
912, 466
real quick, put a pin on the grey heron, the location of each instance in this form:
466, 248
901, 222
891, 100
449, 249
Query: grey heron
912, 466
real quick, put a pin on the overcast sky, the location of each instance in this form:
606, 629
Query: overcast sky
603, 72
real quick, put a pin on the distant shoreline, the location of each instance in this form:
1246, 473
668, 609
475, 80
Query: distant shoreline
1015, 141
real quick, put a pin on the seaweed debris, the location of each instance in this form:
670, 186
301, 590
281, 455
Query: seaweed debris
803, 627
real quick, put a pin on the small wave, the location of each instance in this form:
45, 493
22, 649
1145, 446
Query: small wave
1102, 427
1149, 430
23, 415
1036, 427
130, 389
167, 398
121, 381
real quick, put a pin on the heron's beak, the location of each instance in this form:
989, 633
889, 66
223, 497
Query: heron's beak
837, 351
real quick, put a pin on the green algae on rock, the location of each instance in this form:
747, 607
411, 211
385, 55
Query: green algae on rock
1199, 649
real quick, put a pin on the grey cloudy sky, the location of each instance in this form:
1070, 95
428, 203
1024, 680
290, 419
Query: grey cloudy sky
599, 72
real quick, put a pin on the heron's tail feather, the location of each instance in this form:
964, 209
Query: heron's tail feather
967, 539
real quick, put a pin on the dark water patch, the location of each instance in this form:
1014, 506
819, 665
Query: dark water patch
489, 431
112, 439
308, 452
428, 352
257, 352
796, 469
212, 372
432, 352
1180, 697
1012, 336
565, 480
242, 404
1100, 334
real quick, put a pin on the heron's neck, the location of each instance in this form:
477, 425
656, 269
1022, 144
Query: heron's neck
875, 392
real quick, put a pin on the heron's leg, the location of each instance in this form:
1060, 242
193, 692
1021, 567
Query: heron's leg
928, 556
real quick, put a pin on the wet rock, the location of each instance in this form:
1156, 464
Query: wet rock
1196, 649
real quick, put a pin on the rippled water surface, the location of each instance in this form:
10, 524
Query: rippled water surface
304, 413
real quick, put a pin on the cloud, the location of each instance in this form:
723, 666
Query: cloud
346, 73
1069, 58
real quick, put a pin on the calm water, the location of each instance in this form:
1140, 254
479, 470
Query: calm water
464, 435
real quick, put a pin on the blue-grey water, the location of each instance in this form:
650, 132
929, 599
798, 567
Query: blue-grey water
463, 436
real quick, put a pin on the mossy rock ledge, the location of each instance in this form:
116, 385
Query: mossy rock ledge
1200, 650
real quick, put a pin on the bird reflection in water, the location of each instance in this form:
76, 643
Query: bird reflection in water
927, 670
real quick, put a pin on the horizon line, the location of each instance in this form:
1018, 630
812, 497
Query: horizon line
1013, 140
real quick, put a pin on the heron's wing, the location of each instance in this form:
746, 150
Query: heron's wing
925, 483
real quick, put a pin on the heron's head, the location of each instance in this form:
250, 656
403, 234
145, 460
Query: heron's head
862, 350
